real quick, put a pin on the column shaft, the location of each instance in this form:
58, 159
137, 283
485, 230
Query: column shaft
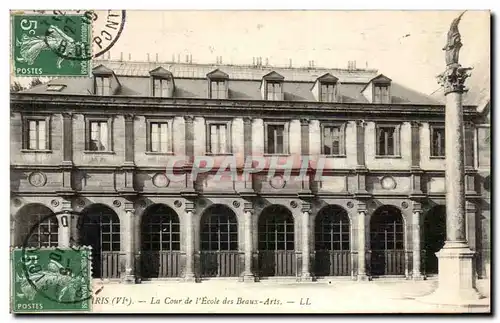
129, 246
361, 242
455, 187
306, 274
189, 270
247, 274
416, 241
64, 219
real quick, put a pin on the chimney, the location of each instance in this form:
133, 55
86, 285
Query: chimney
190, 59
178, 58
173, 58
253, 61
267, 61
290, 63
147, 56
129, 56
121, 56
157, 57
187, 58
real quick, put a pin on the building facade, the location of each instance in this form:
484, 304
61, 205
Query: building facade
96, 154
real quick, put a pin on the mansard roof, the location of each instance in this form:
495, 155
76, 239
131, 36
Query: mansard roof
160, 71
102, 70
327, 77
190, 82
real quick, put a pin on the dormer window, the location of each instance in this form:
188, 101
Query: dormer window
218, 84
102, 85
162, 83
381, 93
105, 82
272, 87
273, 91
378, 90
325, 88
161, 87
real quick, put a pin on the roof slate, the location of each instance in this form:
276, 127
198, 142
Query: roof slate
243, 84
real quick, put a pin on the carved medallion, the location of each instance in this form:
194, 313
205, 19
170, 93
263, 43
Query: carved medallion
277, 182
388, 183
81, 202
177, 203
236, 204
404, 205
17, 202
160, 180
117, 203
350, 204
293, 204
54, 203
37, 179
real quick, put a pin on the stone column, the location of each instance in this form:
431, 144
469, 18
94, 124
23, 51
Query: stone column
417, 211
67, 147
304, 150
189, 151
361, 170
189, 241
362, 242
456, 280
416, 171
248, 275
129, 245
247, 151
470, 210
64, 219
306, 259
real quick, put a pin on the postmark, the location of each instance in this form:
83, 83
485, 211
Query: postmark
63, 43
51, 279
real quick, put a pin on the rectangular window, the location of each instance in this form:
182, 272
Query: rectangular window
276, 139
217, 89
219, 138
327, 92
387, 141
273, 91
381, 94
333, 140
102, 85
437, 142
161, 87
37, 135
159, 134
98, 136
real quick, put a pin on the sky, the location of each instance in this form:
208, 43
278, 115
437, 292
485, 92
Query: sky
406, 46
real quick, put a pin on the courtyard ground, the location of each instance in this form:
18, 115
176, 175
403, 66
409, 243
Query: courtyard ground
325, 296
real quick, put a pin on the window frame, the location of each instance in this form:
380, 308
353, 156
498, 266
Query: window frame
433, 127
25, 132
169, 84
334, 95
342, 146
96, 87
218, 81
281, 95
170, 144
382, 85
229, 134
396, 139
88, 121
286, 137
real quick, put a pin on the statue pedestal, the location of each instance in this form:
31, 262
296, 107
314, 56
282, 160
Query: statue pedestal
456, 281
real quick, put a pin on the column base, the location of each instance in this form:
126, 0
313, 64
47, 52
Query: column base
247, 278
456, 279
362, 277
417, 276
305, 277
129, 279
191, 278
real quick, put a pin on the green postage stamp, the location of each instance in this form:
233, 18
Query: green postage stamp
51, 45
51, 280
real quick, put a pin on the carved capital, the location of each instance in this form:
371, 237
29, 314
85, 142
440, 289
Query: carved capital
453, 79
468, 125
247, 120
129, 207
189, 119
306, 207
415, 124
361, 207
66, 206
129, 117
304, 121
470, 206
417, 207
67, 115
361, 123
189, 207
